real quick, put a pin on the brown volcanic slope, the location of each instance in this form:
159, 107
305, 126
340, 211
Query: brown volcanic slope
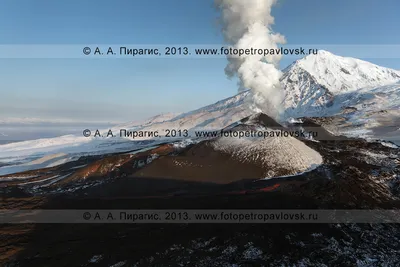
201, 163
228, 159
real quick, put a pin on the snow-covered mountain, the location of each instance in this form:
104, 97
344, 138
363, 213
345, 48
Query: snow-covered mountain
342, 74
312, 84
317, 85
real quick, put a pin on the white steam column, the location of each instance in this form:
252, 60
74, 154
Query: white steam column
246, 25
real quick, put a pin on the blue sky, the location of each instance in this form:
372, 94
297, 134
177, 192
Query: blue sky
124, 90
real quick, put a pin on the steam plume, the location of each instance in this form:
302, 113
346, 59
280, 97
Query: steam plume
247, 24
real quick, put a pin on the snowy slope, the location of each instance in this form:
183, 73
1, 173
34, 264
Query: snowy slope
273, 153
152, 120
214, 116
375, 113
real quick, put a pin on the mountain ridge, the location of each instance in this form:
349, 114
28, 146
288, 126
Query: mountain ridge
305, 94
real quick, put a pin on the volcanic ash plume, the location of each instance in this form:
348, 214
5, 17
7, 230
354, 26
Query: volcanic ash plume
246, 25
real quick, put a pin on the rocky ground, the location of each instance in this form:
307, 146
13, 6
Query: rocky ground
354, 174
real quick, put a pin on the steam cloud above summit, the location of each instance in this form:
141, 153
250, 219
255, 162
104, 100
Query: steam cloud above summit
247, 24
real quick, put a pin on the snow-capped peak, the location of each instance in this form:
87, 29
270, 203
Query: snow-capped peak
343, 74
313, 83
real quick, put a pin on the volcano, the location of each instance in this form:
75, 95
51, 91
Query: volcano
253, 162
227, 159
216, 173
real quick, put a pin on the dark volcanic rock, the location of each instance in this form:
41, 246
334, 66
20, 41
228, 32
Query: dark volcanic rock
261, 119
355, 174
